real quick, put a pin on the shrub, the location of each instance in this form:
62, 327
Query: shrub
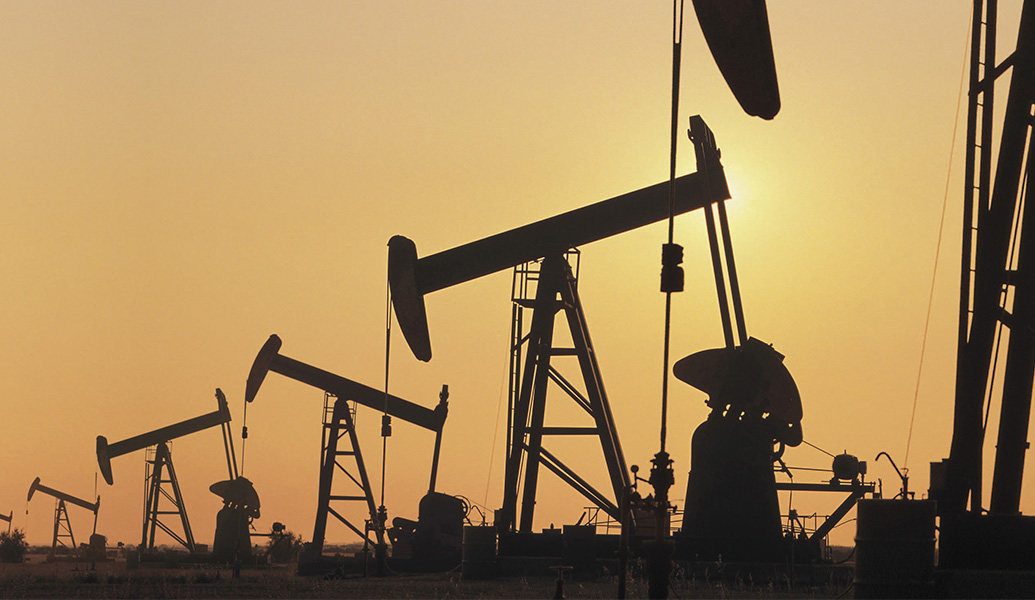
283, 545
13, 546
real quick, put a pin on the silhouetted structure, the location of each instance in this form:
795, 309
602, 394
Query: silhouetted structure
164, 498
997, 306
62, 526
334, 450
544, 244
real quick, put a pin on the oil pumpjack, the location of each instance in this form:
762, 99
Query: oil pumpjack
755, 403
748, 383
548, 241
241, 502
432, 542
62, 526
9, 518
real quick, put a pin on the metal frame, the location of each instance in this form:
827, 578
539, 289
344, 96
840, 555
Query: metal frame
269, 359
62, 529
61, 521
340, 424
997, 288
555, 292
156, 486
856, 490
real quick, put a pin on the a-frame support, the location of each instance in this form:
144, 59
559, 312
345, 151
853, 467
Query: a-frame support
556, 292
160, 476
62, 529
997, 288
341, 424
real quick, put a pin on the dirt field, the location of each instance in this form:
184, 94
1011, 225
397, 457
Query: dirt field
37, 578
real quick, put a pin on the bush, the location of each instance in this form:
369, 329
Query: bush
283, 546
13, 546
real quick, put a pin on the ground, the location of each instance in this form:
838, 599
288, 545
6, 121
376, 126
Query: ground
37, 578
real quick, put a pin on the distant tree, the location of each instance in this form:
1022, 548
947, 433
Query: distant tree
13, 546
283, 545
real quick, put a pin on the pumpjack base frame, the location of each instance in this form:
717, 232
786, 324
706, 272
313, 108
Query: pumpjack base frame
575, 543
988, 542
534, 554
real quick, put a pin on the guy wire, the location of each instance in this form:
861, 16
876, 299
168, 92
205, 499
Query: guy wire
817, 448
937, 255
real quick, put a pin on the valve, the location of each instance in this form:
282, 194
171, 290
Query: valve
661, 475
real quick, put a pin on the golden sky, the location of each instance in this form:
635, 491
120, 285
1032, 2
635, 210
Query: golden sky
182, 179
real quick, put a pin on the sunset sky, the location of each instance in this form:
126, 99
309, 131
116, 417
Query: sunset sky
183, 179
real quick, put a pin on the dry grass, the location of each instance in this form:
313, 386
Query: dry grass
37, 579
